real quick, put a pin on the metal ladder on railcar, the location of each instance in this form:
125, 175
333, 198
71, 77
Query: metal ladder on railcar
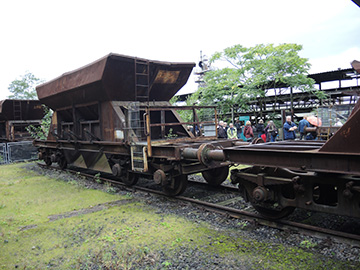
137, 145
142, 83
138, 157
142, 89
17, 110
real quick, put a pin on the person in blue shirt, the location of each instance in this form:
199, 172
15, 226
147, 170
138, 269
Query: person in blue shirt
289, 129
302, 124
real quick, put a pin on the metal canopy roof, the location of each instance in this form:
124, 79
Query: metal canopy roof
357, 2
340, 74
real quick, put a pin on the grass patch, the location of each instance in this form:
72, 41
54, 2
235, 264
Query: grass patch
121, 234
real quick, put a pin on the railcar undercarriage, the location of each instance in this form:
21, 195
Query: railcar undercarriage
276, 192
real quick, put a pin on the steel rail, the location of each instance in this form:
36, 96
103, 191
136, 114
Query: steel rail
314, 231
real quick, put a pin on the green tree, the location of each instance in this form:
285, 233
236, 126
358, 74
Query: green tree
41, 132
186, 115
24, 88
249, 72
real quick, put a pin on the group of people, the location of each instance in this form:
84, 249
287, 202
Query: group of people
268, 133
229, 132
290, 128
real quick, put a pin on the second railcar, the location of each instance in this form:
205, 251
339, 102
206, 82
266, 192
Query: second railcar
16, 115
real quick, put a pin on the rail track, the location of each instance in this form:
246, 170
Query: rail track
221, 205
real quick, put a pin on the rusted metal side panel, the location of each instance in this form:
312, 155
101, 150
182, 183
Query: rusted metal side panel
75, 87
107, 121
312, 160
169, 79
84, 146
53, 130
112, 78
25, 110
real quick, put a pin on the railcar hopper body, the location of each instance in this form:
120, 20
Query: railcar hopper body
116, 77
16, 115
114, 115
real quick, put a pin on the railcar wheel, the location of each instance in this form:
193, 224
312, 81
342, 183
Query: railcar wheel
217, 176
272, 213
62, 163
268, 209
178, 187
130, 179
48, 161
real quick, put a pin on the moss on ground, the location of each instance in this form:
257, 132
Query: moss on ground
47, 223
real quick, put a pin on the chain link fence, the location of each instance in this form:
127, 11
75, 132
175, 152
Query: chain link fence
3, 154
17, 151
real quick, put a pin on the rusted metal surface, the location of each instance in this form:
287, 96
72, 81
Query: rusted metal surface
113, 115
286, 156
326, 192
11, 109
16, 116
113, 78
106, 147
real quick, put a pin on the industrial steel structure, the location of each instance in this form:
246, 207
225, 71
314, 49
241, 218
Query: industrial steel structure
341, 86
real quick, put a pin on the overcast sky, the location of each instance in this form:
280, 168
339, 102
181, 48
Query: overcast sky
49, 38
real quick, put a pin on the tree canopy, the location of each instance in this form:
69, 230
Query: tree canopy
24, 88
245, 74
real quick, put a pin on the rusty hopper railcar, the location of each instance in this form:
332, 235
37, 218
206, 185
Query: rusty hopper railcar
15, 116
114, 115
313, 175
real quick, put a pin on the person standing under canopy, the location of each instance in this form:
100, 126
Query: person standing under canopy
302, 124
221, 131
248, 132
260, 128
271, 132
289, 129
232, 132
